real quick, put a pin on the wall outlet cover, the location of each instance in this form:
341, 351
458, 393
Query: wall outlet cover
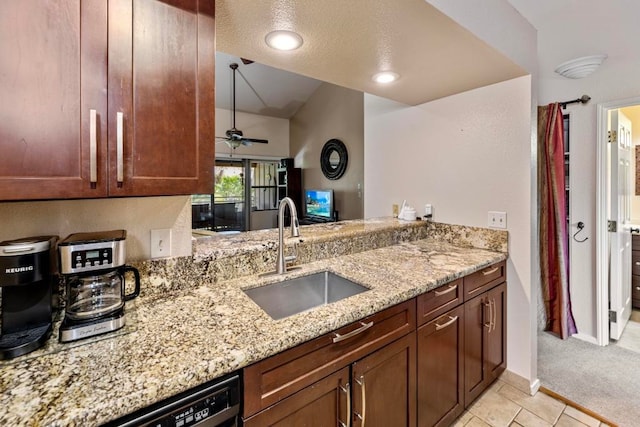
161, 243
497, 219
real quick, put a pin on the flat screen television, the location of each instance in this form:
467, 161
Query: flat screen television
318, 203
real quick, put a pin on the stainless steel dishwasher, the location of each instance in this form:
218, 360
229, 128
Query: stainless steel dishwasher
213, 404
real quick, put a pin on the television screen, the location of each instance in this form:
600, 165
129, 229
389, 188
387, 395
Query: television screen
319, 203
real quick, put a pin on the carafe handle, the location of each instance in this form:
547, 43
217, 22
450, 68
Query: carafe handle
136, 273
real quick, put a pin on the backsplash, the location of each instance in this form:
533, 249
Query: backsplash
226, 257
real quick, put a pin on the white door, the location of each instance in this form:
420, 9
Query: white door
620, 213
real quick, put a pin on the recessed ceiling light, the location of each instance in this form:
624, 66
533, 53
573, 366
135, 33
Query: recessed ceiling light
283, 40
385, 77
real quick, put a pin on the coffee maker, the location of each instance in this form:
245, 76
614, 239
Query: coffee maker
93, 270
27, 275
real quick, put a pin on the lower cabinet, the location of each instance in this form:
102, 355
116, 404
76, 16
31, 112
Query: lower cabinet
382, 371
325, 403
485, 341
441, 369
384, 386
377, 390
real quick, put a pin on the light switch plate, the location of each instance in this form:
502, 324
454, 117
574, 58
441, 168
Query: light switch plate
161, 243
497, 219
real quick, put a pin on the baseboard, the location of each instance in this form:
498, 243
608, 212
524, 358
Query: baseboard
521, 383
586, 338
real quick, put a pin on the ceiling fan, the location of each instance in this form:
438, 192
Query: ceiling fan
234, 137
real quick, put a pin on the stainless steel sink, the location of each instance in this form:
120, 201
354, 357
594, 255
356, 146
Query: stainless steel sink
293, 296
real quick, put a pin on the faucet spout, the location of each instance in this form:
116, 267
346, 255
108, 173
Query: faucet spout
281, 261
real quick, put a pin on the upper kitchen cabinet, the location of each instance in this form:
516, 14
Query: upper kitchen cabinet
106, 98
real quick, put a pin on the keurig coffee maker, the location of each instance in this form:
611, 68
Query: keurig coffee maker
26, 278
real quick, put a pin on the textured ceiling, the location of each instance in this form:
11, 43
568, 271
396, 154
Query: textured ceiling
346, 42
569, 29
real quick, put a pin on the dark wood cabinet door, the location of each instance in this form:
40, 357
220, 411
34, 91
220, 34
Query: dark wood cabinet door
485, 340
161, 96
496, 349
322, 404
52, 74
384, 386
476, 329
441, 369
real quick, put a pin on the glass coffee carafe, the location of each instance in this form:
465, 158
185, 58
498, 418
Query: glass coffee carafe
99, 295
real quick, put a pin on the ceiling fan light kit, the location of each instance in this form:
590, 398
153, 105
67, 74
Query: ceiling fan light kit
580, 67
385, 77
283, 40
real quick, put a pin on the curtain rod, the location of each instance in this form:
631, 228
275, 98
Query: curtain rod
582, 100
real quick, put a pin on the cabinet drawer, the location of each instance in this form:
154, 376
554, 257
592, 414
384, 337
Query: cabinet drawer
635, 262
437, 301
635, 287
271, 380
635, 242
487, 278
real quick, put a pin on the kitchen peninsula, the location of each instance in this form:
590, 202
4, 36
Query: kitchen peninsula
193, 323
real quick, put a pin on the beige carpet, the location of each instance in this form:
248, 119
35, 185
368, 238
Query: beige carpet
605, 380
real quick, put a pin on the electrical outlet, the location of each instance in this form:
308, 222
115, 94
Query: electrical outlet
161, 243
497, 219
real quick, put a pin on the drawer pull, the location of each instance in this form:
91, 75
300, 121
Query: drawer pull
450, 322
637, 288
488, 272
637, 262
353, 333
451, 288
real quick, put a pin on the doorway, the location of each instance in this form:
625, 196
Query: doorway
617, 214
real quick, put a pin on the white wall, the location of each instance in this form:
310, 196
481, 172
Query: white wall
466, 154
274, 129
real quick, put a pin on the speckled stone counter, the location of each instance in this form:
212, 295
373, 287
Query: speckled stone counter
211, 328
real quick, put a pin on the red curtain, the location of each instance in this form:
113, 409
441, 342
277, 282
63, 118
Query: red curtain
554, 253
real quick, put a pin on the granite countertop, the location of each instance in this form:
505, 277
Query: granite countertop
209, 330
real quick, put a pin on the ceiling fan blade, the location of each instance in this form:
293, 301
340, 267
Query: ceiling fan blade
259, 141
246, 61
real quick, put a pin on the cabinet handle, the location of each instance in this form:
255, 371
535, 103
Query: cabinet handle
362, 417
494, 315
450, 322
347, 390
637, 262
446, 291
93, 147
637, 288
120, 147
487, 324
488, 272
355, 332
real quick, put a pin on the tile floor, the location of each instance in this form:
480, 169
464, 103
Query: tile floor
502, 405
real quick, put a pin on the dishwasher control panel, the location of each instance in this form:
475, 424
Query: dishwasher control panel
214, 404
219, 404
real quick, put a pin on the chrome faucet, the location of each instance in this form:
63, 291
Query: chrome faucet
281, 261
